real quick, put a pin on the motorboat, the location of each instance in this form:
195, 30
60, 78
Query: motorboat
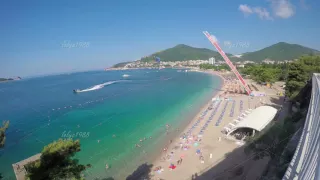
76, 91
125, 75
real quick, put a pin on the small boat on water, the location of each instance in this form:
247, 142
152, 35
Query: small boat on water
76, 91
125, 75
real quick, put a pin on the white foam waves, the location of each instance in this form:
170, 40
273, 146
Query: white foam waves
99, 86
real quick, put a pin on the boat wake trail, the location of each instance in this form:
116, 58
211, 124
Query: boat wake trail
99, 86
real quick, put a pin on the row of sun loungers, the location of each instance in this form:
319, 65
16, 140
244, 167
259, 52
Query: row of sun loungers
222, 114
210, 118
232, 108
198, 121
241, 106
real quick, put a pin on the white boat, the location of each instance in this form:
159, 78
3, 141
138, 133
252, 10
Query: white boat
125, 75
76, 91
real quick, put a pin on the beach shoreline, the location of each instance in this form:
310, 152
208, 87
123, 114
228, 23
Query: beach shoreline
176, 138
201, 147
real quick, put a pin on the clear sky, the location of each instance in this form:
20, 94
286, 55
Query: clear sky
44, 37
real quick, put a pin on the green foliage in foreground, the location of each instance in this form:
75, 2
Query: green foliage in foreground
56, 162
300, 72
3, 129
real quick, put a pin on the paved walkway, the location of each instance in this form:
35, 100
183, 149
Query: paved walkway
19, 169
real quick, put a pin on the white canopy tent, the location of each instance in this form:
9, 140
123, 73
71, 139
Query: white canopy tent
257, 120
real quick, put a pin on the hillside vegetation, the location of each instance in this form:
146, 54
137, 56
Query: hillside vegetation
279, 52
183, 52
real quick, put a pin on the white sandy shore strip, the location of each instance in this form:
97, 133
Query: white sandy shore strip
212, 149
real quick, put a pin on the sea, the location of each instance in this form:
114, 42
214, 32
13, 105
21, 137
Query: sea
109, 115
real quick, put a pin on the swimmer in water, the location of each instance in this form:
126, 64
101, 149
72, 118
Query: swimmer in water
114, 136
98, 141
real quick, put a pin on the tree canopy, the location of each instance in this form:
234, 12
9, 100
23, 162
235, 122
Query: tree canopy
266, 73
3, 129
56, 162
300, 72
217, 68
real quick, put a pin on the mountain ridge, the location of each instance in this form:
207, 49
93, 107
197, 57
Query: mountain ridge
182, 52
278, 52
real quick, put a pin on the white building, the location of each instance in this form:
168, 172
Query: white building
212, 60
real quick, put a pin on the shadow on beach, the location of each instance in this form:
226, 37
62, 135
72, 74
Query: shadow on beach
141, 173
231, 167
236, 165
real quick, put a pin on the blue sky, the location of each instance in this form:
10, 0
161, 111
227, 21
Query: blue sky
44, 37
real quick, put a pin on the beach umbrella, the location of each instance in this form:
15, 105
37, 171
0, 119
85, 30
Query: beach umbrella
195, 144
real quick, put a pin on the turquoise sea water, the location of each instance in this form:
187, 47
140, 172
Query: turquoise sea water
109, 120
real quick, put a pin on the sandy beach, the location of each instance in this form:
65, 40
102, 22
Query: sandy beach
204, 145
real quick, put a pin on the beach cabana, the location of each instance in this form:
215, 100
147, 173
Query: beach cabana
256, 121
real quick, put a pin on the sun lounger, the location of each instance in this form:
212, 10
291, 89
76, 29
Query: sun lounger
227, 129
235, 120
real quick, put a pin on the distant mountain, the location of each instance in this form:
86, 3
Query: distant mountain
120, 64
9, 79
278, 52
183, 52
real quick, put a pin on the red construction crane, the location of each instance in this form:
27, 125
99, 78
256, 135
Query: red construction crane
214, 42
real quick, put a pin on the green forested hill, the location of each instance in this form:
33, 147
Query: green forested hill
183, 52
279, 52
